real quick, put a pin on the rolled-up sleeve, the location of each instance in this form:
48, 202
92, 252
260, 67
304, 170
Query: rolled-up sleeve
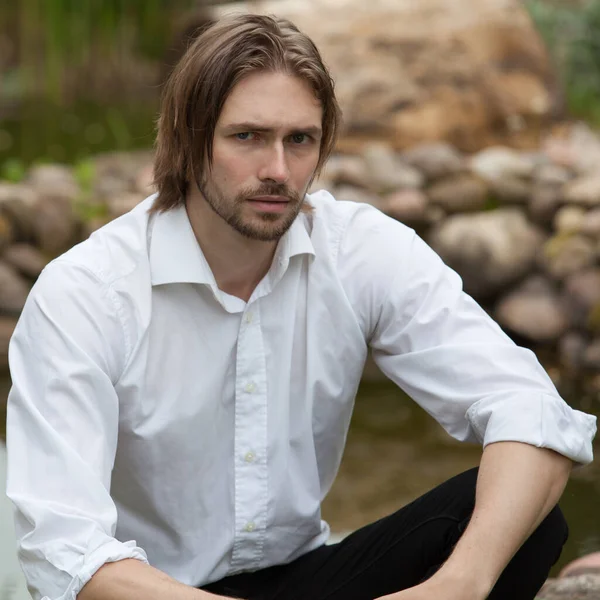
436, 343
67, 351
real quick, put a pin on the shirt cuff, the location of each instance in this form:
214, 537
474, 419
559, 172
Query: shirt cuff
540, 420
112, 551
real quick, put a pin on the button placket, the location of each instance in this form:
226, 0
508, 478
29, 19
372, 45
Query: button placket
250, 442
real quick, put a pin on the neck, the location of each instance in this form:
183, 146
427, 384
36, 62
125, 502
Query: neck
238, 263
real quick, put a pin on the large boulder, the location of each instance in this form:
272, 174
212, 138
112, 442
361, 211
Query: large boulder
471, 73
490, 250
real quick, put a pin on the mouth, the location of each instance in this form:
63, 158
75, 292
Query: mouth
272, 204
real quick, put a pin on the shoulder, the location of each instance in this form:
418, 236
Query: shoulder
113, 252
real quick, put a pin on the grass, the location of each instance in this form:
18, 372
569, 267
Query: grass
572, 33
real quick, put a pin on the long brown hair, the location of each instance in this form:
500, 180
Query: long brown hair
194, 95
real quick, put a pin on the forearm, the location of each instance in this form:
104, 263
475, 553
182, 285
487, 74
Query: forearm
517, 487
134, 580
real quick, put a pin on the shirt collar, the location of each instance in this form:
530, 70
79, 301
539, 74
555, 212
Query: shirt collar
176, 257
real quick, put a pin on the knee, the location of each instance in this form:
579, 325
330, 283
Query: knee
551, 535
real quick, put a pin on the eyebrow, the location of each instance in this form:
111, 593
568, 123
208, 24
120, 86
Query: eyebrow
248, 126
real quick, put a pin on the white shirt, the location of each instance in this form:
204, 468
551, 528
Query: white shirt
153, 416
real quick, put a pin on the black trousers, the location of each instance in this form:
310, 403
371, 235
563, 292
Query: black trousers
400, 551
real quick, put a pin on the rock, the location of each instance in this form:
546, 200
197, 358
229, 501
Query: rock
566, 254
123, 203
584, 191
591, 224
352, 194
511, 190
386, 172
496, 164
435, 160
25, 259
591, 358
55, 224
570, 351
587, 563
347, 170
580, 587
17, 203
582, 296
569, 219
461, 193
407, 206
144, 181
536, 314
489, 250
470, 73
13, 291
552, 175
54, 180
544, 203
7, 327
109, 186
574, 146
6, 232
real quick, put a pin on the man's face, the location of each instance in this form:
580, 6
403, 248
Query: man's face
265, 151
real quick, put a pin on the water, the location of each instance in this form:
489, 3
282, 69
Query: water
395, 452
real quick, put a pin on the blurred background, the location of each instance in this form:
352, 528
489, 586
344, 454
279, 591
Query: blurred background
474, 123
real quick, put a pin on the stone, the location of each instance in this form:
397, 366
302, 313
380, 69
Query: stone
582, 296
566, 254
435, 160
407, 206
25, 259
353, 194
553, 175
584, 190
6, 232
13, 291
591, 224
490, 250
386, 172
569, 219
54, 180
496, 164
575, 146
587, 563
55, 225
570, 351
144, 181
579, 587
469, 73
123, 203
461, 193
17, 203
534, 314
544, 203
346, 170
591, 358
511, 190
7, 327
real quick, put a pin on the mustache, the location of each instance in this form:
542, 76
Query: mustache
270, 189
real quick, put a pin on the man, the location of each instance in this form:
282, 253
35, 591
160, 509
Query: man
183, 380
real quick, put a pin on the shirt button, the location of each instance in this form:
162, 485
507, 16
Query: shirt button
249, 317
250, 456
250, 527
250, 387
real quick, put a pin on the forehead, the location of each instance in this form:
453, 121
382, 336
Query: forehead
273, 100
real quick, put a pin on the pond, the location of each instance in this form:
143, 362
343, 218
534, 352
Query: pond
395, 452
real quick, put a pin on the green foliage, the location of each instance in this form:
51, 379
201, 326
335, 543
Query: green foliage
12, 170
572, 33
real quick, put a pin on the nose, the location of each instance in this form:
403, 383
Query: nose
275, 167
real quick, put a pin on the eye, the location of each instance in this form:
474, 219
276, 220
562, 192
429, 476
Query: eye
244, 136
299, 138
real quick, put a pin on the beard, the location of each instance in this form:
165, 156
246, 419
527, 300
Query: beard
264, 227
